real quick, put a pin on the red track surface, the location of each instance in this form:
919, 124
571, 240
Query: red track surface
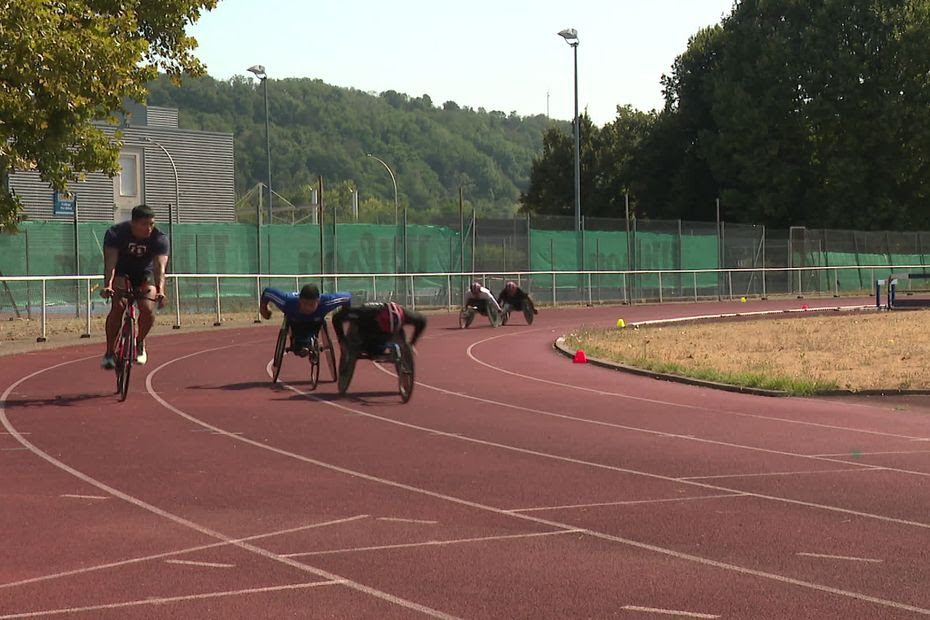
514, 484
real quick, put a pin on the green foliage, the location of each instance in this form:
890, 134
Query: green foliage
792, 112
64, 64
607, 155
318, 129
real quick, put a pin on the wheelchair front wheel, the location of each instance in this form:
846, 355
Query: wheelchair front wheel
405, 372
280, 346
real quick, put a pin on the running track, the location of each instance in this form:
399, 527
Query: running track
513, 485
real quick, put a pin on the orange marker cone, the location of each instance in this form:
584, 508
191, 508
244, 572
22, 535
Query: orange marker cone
580, 357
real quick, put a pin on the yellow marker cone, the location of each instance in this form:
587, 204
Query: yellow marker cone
742, 299
620, 323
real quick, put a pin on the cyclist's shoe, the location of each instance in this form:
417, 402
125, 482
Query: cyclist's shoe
109, 362
141, 356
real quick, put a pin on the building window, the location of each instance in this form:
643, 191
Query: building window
129, 175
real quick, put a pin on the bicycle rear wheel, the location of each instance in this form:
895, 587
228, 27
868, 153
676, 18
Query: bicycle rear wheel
279, 353
405, 374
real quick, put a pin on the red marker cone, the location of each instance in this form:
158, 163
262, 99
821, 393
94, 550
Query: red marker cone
804, 307
580, 357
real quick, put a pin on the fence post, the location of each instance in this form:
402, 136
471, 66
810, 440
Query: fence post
449, 289
86, 333
177, 303
219, 319
413, 294
374, 287
694, 275
660, 287
258, 299
836, 282
552, 267
730, 284
42, 337
764, 295
590, 302
625, 298
597, 266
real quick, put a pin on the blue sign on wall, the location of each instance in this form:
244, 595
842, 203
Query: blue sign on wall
64, 203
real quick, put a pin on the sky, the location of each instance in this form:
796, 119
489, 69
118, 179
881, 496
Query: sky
499, 55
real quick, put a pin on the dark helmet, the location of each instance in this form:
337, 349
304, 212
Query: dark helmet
476, 287
391, 318
310, 291
511, 287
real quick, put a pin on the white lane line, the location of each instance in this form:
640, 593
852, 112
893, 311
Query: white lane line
840, 557
172, 599
204, 564
432, 543
398, 520
593, 464
168, 554
135, 501
852, 455
668, 612
628, 502
782, 473
647, 431
82, 496
672, 403
555, 524
13, 449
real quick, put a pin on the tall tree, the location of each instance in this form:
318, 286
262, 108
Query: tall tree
64, 64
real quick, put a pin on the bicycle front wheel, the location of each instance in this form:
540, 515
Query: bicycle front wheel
127, 351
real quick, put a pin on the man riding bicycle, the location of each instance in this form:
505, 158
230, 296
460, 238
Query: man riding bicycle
305, 312
374, 327
139, 251
512, 297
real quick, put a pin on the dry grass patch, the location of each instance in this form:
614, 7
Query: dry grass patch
800, 355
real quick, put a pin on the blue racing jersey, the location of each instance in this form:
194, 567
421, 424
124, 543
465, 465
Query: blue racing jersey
288, 303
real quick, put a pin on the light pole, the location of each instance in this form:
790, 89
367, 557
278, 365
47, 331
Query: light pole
176, 214
259, 71
393, 180
177, 185
571, 37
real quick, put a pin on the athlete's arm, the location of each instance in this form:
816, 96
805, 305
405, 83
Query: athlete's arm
486, 294
110, 256
271, 295
160, 267
412, 317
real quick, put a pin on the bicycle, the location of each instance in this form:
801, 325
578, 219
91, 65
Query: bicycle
317, 350
125, 348
397, 352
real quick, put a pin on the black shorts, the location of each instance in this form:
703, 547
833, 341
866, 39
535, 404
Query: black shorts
136, 278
